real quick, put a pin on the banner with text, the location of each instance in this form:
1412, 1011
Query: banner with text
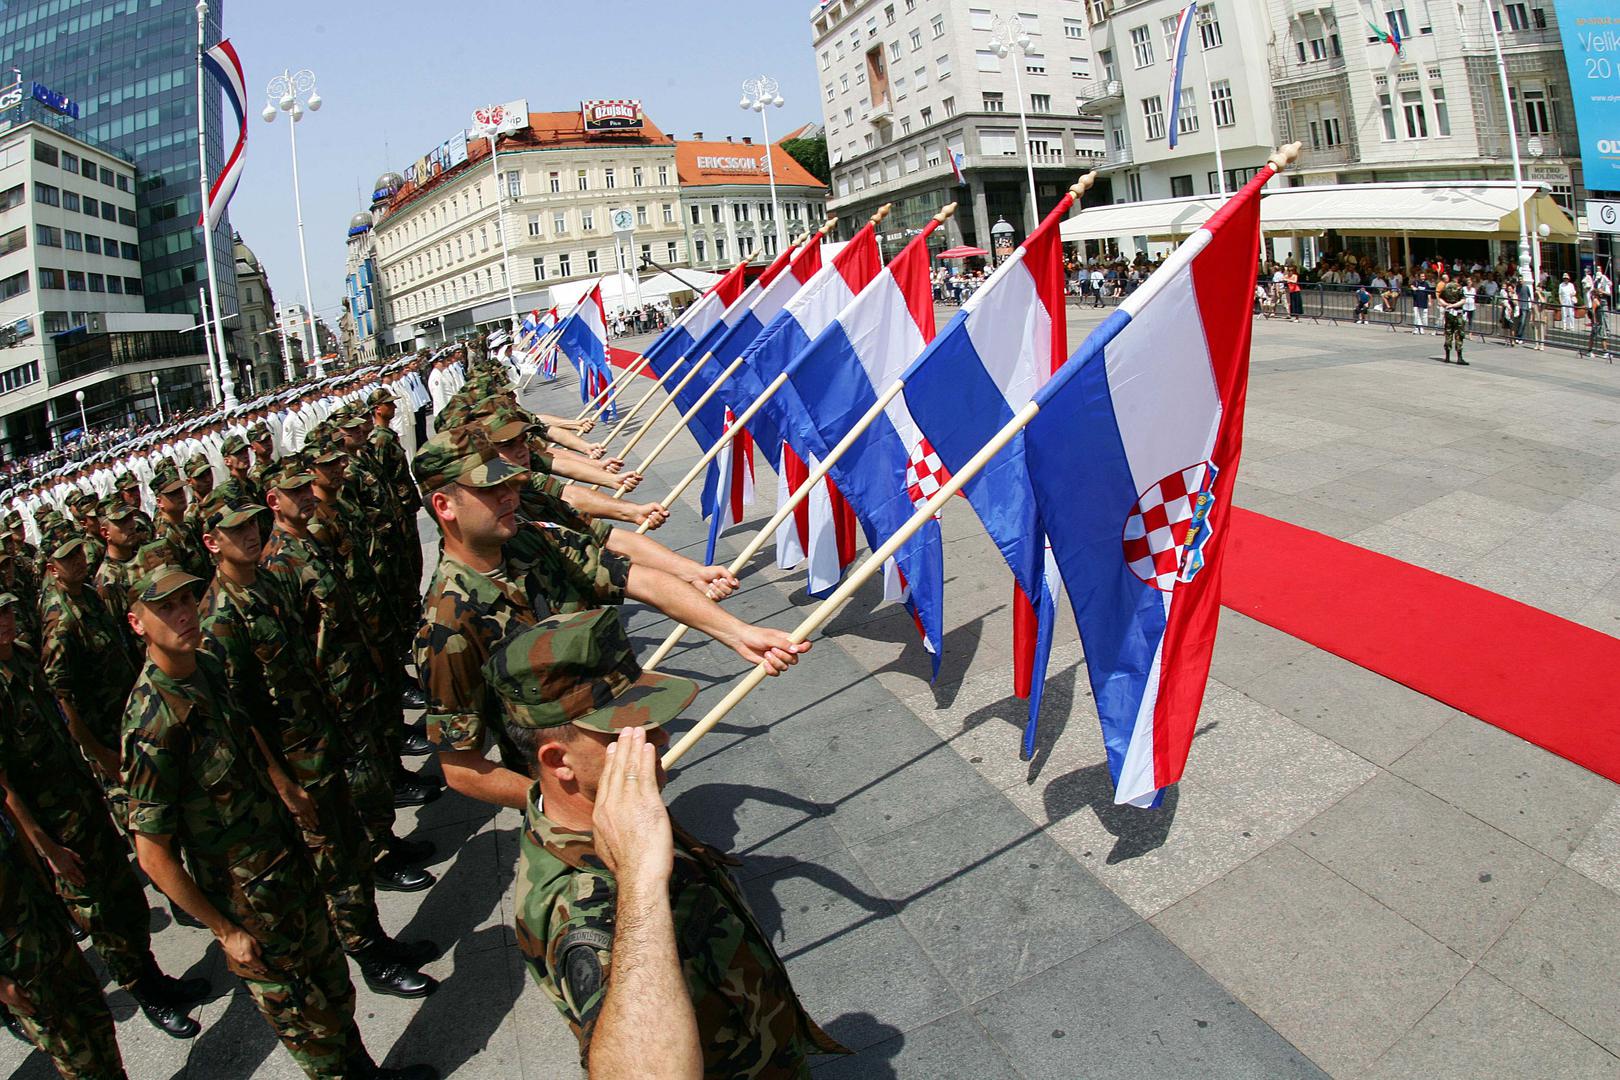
1591, 33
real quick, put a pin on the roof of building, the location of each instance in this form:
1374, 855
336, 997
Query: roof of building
811, 130
711, 163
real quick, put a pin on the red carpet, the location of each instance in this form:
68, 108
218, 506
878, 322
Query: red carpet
1545, 679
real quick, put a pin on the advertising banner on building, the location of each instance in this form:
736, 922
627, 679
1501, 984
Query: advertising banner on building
611, 117
1591, 33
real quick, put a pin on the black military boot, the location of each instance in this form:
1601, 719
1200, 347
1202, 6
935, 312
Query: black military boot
391, 875
171, 991
412, 697
415, 743
12, 1026
169, 1019
413, 954
411, 789
386, 975
410, 852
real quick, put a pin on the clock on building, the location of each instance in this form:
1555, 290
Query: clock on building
623, 221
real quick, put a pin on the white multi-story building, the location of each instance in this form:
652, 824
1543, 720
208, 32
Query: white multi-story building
1225, 96
725, 193
72, 314
909, 85
438, 248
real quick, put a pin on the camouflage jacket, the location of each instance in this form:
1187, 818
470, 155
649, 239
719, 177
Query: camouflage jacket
186, 540
25, 587
37, 755
323, 609
29, 562
113, 579
396, 469
466, 614
542, 500
343, 529
250, 487
750, 1021
194, 773
269, 671
84, 659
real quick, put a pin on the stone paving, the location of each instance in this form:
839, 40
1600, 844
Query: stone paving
1352, 880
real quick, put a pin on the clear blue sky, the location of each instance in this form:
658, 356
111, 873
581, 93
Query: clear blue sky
397, 79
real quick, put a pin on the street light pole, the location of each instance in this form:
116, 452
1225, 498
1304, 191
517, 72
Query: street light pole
284, 92
84, 421
1005, 34
757, 94
1513, 145
157, 397
490, 122
224, 385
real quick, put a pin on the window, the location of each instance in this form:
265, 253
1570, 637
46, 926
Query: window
994, 103
1222, 104
1080, 67
582, 180
949, 105
926, 114
987, 60
70, 162
1442, 116
894, 50
17, 239
714, 213
48, 279
1042, 103
556, 182
46, 153
126, 216
75, 280
1187, 114
1388, 111
73, 241
697, 250
1034, 64
719, 248
671, 252
128, 251
905, 125
1181, 187
635, 176
514, 184
124, 183
116, 285
483, 238
1168, 25
1518, 18
931, 156
1074, 29
888, 14
11, 197
937, 24
1537, 116
826, 60
980, 19
92, 207
1105, 57
565, 264
587, 220
98, 283
995, 142
44, 193
132, 286
1142, 46
916, 40
17, 284
919, 78
1209, 33
107, 177
1417, 119
559, 222
942, 67
1395, 19
1153, 117
843, 83
608, 178
534, 224
92, 244
899, 88
641, 215
87, 169
697, 214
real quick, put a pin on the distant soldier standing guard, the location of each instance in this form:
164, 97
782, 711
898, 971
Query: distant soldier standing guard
1450, 296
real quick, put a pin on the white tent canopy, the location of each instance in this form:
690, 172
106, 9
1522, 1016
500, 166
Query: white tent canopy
1467, 209
619, 291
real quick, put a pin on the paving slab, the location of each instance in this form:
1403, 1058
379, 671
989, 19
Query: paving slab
955, 1045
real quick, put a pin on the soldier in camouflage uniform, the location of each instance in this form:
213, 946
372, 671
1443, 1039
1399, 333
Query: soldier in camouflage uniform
16, 542
262, 443
14, 580
56, 803
498, 575
47, 987
200, 476
127, 490
239, 484
200, 784
86, 509
269, 671
175, 524
601, 919
325, 612
1450, 298
84, 662
121, 529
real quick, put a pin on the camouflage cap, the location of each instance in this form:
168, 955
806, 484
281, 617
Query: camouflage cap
234, 444
351, 416
580, 669
8, 600
127, 481
159, 574
462, 455
114, 508
223, 510
259, 432
197, 466
291, 472
378, 397
166, 478
505, 422
85, 502
61, 538
327, 449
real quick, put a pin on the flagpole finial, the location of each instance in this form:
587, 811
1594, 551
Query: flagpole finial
1285, 156
946, 212
827, 226
882, 212
1083, 185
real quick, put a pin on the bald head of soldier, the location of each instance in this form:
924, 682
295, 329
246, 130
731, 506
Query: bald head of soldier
567, 686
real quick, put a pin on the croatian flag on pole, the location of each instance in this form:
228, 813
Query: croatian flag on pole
1132, 458
223, 63
838, 379
675, 344
583, 339
1178, 64
729, 489
1003, 345
823, 529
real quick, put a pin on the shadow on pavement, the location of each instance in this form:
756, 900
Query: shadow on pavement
883, 1042
235, 1044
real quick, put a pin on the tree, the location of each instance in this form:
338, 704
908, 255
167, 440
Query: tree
812, 154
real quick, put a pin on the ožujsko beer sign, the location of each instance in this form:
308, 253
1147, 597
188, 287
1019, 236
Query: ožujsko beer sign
611, 116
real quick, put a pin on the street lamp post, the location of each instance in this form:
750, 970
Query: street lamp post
157, 396
1513, 145
491, 122
1005, 36
757, 94
289, 92
84, 421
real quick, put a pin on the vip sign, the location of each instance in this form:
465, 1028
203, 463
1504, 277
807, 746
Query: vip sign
611, 116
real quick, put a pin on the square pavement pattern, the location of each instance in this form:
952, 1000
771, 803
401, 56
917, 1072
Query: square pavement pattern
1351, 881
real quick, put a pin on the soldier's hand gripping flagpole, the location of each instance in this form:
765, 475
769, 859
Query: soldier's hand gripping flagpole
874, 562
802, 492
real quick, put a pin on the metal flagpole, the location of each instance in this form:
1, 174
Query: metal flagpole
227, 385
1204, 15
500, 224
208, 347
1513, 144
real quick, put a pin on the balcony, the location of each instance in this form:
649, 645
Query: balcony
1115, 157
1285, 69
1549, 145
881, 114
1342, 154
1096, 98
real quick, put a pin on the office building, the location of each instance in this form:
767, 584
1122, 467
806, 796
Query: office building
260, 332
908, 87
726, 200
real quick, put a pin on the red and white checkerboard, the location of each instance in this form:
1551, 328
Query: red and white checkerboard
1156, 530
925, 473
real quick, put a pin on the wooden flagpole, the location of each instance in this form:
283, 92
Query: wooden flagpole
600, 402
874, 562
663, 406
675, 429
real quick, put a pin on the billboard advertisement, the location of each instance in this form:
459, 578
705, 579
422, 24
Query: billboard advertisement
1591, 34
611, 117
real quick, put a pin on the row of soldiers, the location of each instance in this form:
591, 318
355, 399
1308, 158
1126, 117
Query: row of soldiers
215, 740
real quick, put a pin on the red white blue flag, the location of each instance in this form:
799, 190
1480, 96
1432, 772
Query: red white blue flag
1178, 64
222, 62
1132, 459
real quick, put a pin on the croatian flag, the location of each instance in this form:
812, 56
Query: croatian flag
1133, 457
582, 337
732, 473
1178, 64
823, 530
531, 337
223, 63
838, 378
676, 343
1003, 345
956, 167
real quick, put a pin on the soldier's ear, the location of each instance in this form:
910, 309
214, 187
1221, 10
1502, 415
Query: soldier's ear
135, 622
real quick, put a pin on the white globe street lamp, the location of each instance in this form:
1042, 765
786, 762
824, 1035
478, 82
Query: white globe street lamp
84, 422
157, 396
757, 94
1005, 36
284, 93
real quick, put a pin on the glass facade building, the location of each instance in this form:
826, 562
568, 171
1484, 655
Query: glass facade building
130, 66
